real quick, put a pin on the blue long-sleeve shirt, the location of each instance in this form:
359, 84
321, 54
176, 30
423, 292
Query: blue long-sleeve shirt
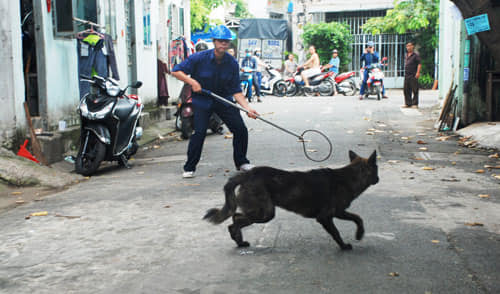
369, 59
221, 78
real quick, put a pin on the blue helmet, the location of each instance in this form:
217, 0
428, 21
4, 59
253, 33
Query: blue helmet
370, 44
221, 32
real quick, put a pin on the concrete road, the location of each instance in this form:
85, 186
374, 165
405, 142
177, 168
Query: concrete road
140, 230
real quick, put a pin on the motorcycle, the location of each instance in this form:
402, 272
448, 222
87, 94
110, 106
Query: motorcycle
184, 116
375, 80
345, 83
108, 124
321, 83
272, 83
246, 82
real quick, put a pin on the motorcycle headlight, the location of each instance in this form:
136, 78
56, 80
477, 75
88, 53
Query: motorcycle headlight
95, 115
112, 89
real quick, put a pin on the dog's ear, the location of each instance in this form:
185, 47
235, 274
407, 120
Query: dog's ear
352, 155
373, 158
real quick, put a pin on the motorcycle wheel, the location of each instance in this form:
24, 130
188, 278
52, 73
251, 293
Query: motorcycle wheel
326, 88
378, 90
88, 160
352, 89
308, 92
244, 89
280, 89
178, 123
216, 124
291, 88
186, 127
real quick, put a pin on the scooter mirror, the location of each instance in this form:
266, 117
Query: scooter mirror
137, 84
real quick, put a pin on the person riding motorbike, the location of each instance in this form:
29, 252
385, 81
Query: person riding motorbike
251, 62
368, 58
312, 66
333, 65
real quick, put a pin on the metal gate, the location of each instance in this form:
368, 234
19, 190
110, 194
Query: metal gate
391, 46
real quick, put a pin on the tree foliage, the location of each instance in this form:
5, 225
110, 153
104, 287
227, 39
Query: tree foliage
241, 9
328, 36
420, 17
201, 9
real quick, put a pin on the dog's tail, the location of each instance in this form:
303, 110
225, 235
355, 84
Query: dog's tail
217, 216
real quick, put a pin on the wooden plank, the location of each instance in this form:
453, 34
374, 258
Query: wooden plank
37, 149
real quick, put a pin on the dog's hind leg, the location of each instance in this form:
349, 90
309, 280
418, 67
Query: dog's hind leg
239, 221
355, 218
327, 223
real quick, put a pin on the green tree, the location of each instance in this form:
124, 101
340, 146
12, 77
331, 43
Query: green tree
241, 9
419, 17
200, 10
328, 36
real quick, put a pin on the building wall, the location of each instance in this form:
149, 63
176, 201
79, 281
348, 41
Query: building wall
60, 73
451, 51
11, 81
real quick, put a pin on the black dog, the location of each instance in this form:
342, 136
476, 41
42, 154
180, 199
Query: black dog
319, 193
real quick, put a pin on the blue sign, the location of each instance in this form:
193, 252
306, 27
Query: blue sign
466, 74
477, 24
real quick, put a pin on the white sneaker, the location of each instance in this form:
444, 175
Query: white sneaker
246, 167
188, 174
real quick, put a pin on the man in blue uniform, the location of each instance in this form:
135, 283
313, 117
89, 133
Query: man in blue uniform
216, 71
368, 58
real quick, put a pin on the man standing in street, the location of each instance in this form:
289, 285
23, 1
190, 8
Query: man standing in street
334, 65
368, 58
412, 73
215, 70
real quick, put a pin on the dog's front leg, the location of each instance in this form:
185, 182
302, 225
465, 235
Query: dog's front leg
327, 223
345, 215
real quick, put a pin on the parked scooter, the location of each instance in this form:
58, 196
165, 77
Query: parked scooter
321, 83
109, 125
272, 83
184, 116
375, 80
345, 83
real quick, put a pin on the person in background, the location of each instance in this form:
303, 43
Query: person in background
368, 58
251, 62
260, 67
290, 66
333, 65
215, 70
312, 66
412, 73
231, 52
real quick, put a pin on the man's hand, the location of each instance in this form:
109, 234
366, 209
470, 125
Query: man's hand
195, 86
417, 75
252, 113
243, 102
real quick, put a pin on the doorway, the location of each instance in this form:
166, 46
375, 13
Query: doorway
30, 71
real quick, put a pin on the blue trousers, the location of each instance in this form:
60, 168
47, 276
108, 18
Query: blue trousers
363, 83
259, 81
233, 120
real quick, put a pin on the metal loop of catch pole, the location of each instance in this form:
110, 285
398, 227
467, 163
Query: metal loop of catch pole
300, 137
330, 146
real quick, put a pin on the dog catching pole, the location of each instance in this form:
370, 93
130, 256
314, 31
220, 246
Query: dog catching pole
308, 138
